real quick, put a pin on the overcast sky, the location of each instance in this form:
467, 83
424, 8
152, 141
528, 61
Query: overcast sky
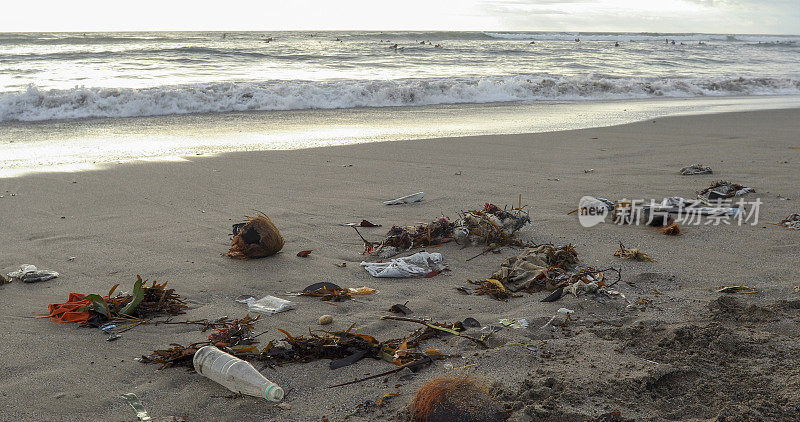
717, 16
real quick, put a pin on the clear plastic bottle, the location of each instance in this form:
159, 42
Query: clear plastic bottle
235, 374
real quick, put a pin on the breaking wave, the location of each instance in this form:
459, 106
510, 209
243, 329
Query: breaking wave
622, 37
35, 104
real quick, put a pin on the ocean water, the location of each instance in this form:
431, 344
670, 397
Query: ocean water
77, 76
72, 101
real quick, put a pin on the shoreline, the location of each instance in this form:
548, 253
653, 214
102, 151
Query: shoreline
170, 222
84, 144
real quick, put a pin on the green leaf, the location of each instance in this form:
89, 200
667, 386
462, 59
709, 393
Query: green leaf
99, 304
138, 295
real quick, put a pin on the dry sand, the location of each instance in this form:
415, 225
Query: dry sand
684, 353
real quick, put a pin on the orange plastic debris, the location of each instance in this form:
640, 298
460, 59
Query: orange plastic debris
69, 311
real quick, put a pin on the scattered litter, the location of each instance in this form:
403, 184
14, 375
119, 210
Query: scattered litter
633, 253
722, 189
677, 204
470, 322
73, 310
737, 289
464, 290
530, 270
433, 273
70, 259
303, 254
400, 309
138, 407
406, 199
696, 169
325, 320
561, 311
556, 295
327, 291
30, 274
129, 310
792, 221
363, 223
514, 323
455, 399
419, 264
256, 238
4, 280
284, 406
673, 229
333, 292
491, 226
783, 198
493, 288
268, 304
361, 290
321, 285
400, 239
342, 265
588, 170
658, 219
234, 374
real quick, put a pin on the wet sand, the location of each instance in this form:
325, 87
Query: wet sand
680, 351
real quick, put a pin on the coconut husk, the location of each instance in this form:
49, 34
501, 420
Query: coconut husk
455, 399
257, 238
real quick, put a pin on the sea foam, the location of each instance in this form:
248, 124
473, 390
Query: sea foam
35, 104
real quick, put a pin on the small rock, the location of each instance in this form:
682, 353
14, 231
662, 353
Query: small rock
325, 320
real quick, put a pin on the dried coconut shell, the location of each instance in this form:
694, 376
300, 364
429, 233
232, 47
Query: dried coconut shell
258, 238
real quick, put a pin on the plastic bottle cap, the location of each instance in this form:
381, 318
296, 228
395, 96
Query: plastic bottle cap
276, 395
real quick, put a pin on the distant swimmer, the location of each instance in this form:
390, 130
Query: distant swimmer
422, 42
701, 43
666, 41
673, 42
338, 39
393, 47
438, 46
224, 35
532, 42
268, 39
577, 40
616, 44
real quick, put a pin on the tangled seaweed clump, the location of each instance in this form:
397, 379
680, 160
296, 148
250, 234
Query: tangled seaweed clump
490, 226
142, 304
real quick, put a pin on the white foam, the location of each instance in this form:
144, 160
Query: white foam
34, 104
622, 37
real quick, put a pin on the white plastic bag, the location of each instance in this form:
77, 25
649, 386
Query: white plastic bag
267, 304
416, 265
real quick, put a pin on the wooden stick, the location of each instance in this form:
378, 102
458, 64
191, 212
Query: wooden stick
436, 327
412, 364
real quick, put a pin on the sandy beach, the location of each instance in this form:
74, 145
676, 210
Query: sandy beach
680, 351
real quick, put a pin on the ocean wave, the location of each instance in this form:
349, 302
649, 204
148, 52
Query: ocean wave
35, 104
659, 37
